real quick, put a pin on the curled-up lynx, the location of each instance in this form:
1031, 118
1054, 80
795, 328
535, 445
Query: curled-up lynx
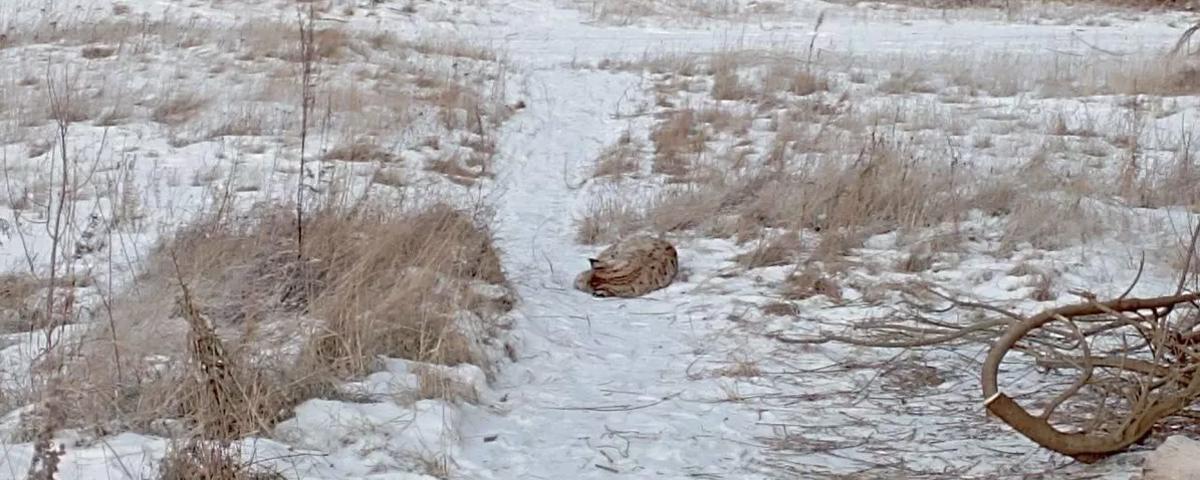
630, 268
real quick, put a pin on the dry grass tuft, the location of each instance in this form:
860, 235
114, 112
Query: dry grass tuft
675, 139
436, 383
780, 309
453, 47
740, 368
452, 167
93, 52
373, 281
780, 249
178, 108
727, 84
607, 220
785, 76
885, 187
360, 150
810, 282
200, 460
18, 308
331, 43
620, 159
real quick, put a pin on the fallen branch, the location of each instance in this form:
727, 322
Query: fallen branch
1090, 446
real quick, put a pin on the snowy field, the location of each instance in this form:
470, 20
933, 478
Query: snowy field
814, 163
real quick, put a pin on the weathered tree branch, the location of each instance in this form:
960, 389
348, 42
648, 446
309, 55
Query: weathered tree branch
1087, 446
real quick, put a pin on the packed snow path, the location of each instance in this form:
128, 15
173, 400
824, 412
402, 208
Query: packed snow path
601, 385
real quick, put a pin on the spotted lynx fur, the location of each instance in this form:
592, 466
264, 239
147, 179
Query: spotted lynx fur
630, 268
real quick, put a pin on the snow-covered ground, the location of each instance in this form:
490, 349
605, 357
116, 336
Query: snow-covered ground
692, 381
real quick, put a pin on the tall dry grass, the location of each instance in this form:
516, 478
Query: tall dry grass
374, 281
811, 161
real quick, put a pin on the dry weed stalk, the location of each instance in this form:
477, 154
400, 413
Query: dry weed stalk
209, 357
44, 464
308, 58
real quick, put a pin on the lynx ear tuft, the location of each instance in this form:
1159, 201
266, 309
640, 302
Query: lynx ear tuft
592, 261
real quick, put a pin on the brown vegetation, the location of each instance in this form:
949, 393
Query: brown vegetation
373, 281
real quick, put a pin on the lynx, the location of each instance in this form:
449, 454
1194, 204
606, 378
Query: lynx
630, 268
